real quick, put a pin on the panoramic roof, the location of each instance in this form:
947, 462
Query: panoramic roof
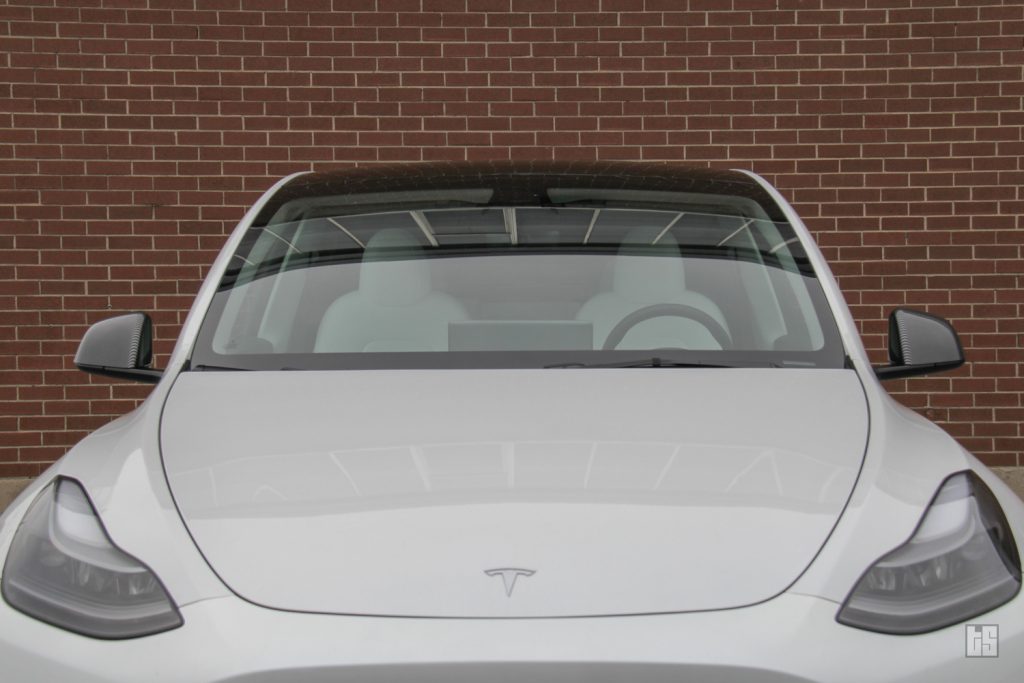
515, 183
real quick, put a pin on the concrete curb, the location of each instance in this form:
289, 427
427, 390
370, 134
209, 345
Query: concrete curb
10, 488
1013, 476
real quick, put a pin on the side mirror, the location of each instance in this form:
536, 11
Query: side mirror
920, 343
119, 347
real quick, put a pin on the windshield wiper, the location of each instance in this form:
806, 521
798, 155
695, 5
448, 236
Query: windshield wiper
203, 367
654, 362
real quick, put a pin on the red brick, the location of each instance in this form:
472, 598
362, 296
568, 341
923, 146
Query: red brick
134, 138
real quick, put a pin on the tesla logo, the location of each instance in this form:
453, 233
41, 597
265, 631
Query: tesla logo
508, 577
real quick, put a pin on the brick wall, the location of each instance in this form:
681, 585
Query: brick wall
133, 134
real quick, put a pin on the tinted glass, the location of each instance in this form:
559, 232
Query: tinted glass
467, 278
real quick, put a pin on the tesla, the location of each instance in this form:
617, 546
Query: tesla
516, 421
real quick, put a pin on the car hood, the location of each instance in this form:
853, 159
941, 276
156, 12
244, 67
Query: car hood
512, 493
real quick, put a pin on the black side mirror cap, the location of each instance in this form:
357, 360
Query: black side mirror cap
920, 343
120, 347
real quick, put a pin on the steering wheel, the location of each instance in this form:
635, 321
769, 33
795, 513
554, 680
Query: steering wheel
618, 332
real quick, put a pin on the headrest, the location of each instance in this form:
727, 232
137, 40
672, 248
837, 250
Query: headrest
394, 272
647, 273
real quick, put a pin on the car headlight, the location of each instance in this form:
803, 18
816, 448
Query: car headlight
961, 561
63, 569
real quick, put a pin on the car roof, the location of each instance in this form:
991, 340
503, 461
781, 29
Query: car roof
518, 182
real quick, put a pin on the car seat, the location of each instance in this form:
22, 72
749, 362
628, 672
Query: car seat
394, 308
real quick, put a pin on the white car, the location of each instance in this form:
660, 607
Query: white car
516, 422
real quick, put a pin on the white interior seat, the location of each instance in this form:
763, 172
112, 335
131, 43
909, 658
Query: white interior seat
394, 309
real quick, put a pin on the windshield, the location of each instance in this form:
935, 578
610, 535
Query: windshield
581, 277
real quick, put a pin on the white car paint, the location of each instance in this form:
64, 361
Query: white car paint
405, 520
226, 637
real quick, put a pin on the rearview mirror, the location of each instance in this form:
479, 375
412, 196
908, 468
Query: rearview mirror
920, 343
119, 347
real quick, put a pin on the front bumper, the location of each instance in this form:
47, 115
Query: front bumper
791, 638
